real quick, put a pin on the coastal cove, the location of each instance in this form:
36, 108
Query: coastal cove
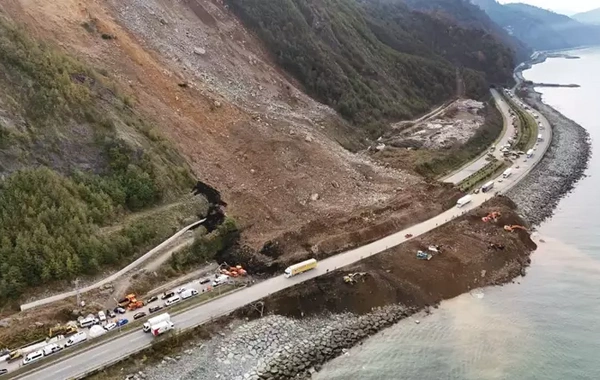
543, 326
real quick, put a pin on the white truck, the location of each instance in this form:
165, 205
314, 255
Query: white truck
155, 321
540, 138
188, 293
530, 153
162, 327
507, 173
464, 200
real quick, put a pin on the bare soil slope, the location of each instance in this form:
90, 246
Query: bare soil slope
243, 126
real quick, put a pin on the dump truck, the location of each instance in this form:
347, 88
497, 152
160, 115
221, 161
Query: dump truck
155, 321
162, 327
302, 267
127, 300
464, 200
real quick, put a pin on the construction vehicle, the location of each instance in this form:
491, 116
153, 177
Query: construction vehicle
424, 255
351, 278
127, 300
514, 227
236, 271
135, 304
494, 215
61, 330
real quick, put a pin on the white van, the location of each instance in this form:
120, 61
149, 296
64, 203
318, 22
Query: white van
31, 357
51, 349
172, 300
87, 322
77, 338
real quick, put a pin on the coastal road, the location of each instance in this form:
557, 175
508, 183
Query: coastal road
125, 344
478, 164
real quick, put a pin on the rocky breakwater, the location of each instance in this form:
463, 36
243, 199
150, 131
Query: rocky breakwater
563, 165
301, 352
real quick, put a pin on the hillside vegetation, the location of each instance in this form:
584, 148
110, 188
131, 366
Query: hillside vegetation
539, 28
74, 156
376, 61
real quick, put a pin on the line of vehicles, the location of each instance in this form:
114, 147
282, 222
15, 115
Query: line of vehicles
105, 321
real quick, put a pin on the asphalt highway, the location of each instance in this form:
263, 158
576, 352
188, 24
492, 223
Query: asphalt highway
479, 163
125, 344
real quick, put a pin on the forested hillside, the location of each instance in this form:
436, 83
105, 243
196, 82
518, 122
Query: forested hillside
539, 28
376, 61
74, 156
468, 15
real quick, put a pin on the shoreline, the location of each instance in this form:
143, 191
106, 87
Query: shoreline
563, 165
279, 346
305, 326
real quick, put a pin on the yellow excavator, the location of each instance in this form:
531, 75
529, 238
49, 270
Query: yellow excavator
514, 227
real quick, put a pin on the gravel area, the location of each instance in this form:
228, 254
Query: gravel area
560, 169
273, 347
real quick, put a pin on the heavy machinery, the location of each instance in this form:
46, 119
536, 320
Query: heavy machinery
514, 227
351, 278
494, 215
236, 271
127, 300
61, 330
135, 304
424, 255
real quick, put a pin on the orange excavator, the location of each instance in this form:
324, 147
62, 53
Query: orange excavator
494, 215
131, 302
514, 227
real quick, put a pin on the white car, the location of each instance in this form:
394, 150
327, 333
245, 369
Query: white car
181, 290
101, 316
110, 326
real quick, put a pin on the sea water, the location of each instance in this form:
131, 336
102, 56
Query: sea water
546, 326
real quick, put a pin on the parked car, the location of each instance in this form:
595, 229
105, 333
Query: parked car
119, 310
110, 326
110, 313
181, 290
167, 295
139, 315
122, 322
205, 281
101, 316
3, 371
154, 309
151, 299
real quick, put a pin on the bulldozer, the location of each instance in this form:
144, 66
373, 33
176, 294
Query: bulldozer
61, 330
514, 227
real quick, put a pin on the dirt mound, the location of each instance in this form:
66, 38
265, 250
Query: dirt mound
465, 262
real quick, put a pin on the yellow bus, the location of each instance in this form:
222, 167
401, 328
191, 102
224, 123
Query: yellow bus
302, 267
